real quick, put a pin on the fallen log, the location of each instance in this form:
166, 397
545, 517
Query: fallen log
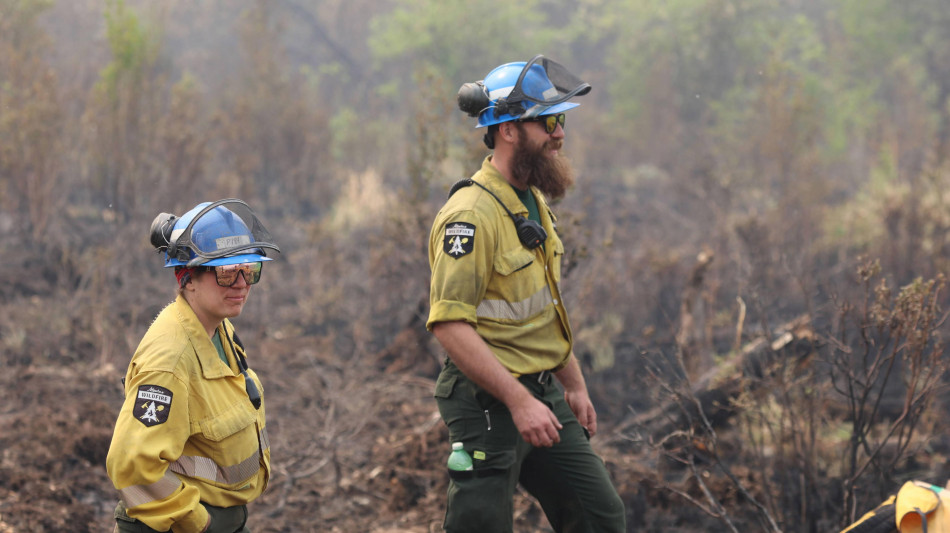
717, 390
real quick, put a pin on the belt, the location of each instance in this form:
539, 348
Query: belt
543, 377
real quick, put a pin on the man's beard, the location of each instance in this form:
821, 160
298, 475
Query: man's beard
534, 167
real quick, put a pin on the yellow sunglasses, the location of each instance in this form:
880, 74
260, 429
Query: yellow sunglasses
550, 121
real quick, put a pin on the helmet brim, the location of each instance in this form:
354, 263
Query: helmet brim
222, 261
491, 120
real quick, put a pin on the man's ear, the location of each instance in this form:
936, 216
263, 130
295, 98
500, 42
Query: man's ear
508, 131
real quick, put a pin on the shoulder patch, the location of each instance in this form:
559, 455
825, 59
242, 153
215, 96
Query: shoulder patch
152, 404
459, 239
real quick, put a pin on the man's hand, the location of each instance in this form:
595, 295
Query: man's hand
575, 392
579, 402
536, 422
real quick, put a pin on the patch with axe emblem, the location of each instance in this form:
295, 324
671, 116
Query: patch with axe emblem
152, 404
459, 239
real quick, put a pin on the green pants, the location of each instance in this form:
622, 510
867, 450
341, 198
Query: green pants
569, 480
223, 520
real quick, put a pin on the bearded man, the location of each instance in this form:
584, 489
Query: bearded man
496, 308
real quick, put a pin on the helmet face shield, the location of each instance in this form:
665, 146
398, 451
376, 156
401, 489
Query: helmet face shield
521, 90
218, 233
545, 83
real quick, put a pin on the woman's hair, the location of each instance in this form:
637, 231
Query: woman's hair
185, 274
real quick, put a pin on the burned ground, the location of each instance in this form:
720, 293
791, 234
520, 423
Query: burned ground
357, 442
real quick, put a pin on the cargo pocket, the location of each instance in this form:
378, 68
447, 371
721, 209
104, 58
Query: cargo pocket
445, 385
235, 437
228, 423
512, 261
501, 432
487, 464
449, 406
516, 279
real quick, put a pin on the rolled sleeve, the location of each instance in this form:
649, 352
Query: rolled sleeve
451, 311
140, 455
458, 283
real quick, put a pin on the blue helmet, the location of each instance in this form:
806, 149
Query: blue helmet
225, 232
521, 90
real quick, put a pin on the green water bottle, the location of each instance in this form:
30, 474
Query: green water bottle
459, 459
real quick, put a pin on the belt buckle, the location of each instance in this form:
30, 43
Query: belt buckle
544, 376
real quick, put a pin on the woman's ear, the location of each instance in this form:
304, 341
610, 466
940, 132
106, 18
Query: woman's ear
189, 281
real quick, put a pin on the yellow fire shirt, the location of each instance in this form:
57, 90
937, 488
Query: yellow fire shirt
187, 432
483, 275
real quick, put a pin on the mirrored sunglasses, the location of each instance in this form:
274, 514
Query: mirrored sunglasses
550, 122
227, 275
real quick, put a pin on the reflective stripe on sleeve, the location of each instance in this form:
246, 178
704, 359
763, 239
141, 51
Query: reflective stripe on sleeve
204, 468
265, 444
523, 310
141, 494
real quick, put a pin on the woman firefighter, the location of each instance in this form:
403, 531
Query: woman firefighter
190, 446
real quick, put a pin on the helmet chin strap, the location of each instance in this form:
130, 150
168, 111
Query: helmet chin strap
489, 139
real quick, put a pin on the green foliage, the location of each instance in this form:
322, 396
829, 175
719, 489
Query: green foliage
134, 49
878, 54
181, 143
462, 40
876, 31
696, 45
21, 14
273, 124
345, 139
430, 134
127, 111
30, 121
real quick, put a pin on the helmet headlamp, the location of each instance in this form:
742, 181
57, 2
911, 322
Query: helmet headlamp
160, 233
473, 98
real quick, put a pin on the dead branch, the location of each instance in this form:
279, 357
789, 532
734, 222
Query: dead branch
716, 391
